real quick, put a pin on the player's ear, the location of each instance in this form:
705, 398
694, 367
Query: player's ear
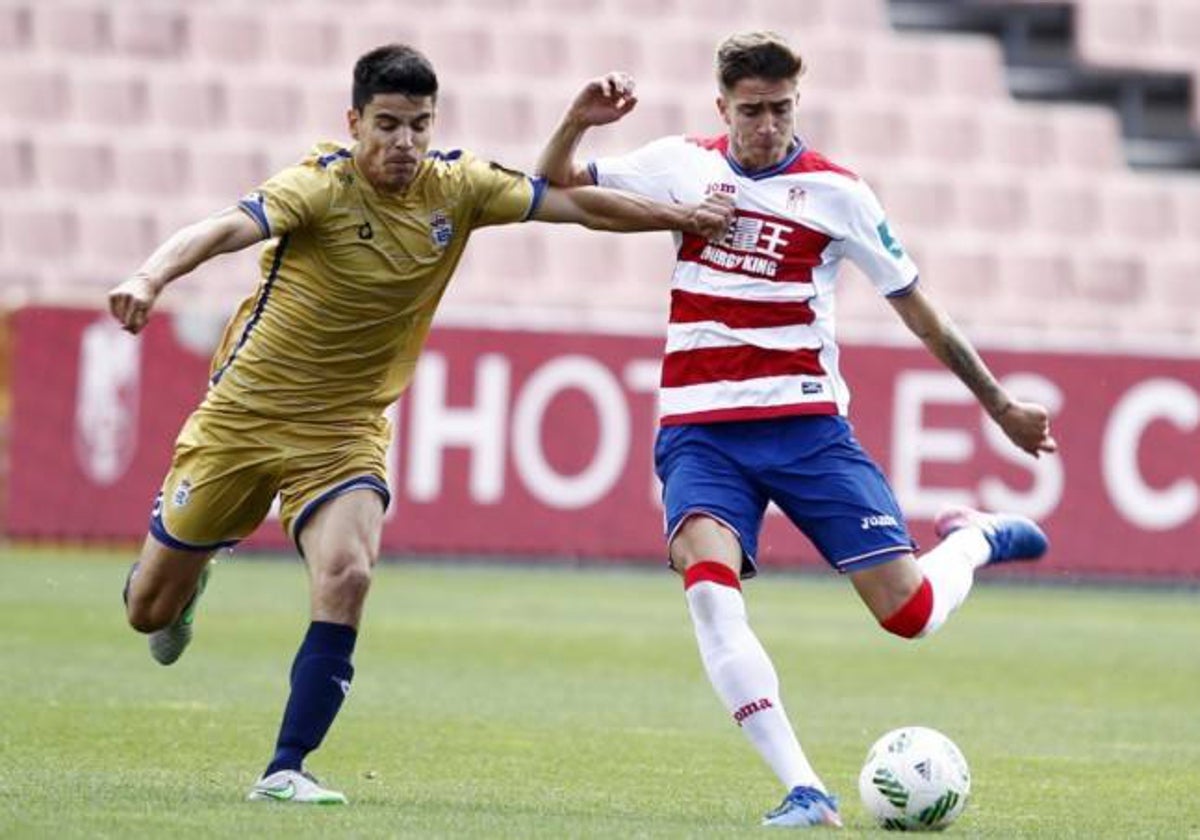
721, 106
352, 121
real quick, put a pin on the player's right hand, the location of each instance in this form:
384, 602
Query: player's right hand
604, 100
130, 302
712, 217
1028, 426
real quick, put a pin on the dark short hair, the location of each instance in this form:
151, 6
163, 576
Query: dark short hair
756, 55
392, 68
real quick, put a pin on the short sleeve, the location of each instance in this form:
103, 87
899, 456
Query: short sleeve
873, 246
501, 195
291, 199
647, 171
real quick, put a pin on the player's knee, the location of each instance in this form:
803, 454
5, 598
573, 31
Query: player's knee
347, 578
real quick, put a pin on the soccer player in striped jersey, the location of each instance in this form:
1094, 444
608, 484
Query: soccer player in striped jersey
752, 405
365, 240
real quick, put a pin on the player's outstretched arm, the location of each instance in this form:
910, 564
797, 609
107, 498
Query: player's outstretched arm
1026, 424
605, 209
130, 302
602, 101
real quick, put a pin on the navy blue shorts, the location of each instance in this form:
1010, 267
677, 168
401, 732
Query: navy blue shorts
811, 467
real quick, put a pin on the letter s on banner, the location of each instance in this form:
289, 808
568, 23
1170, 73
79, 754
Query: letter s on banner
1154, 510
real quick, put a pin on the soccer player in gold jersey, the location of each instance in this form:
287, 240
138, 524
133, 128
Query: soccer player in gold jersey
365, 239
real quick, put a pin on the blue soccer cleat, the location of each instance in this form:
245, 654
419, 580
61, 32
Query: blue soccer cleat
1010, 536
804, 807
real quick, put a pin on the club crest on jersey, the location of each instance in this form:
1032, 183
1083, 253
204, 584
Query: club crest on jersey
795, 200
441, 231
182, 494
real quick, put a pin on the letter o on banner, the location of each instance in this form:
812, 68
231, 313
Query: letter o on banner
553, 489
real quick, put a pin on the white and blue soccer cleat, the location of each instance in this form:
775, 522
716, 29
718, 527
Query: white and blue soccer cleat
294, 786
805, 807
169, 643
1009, 535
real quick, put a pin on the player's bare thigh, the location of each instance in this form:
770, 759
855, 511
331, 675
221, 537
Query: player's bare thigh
166, 579
701, 538
888, 587
341, 544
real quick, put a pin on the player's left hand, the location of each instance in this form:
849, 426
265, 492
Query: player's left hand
604, 100
712, 217
1028, 426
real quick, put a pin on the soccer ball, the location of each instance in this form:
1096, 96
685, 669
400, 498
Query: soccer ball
914, 779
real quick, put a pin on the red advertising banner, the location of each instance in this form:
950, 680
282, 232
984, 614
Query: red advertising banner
538, 444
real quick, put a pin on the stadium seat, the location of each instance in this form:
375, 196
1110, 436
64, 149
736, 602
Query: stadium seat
149, 33
16, 163
152, 169
304, 42
40, 233
222, 38
80, 30
117, 100
34, 95
183, 102
265, 108
16, 27
1065, 207
72, 165
226, 172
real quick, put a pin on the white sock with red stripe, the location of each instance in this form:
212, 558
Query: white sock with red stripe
741, 672
949, 570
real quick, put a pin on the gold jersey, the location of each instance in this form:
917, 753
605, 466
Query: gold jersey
351, 281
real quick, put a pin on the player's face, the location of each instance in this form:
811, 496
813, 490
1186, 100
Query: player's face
761, 116
393, 133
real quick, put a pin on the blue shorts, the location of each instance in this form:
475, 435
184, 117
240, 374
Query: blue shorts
811, 467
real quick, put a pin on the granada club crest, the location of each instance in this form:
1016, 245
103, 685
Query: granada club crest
440, 228
106, 401
796, 199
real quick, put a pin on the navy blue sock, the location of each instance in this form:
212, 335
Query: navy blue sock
321, 675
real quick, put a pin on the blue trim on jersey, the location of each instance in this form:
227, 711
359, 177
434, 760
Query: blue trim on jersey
907, 290
159, 531
539, 192
324, 161
254, 205
258, 307
449, 157
369, 481
593, 172
773, 169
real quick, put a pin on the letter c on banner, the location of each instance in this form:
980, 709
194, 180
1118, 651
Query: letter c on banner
1154, 510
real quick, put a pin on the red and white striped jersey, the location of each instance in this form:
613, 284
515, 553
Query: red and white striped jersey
751, 331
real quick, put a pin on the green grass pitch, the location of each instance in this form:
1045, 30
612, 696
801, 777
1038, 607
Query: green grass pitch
528, 702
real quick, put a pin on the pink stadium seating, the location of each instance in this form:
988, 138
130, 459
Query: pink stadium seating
120, 122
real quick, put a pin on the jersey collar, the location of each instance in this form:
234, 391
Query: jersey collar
798, 148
